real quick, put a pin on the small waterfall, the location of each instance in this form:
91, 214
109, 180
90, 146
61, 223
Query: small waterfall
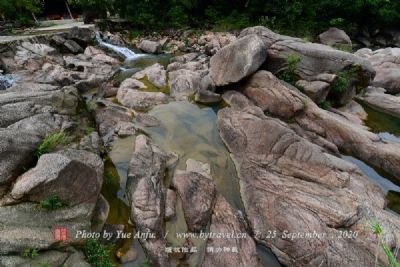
123, 51
6, 81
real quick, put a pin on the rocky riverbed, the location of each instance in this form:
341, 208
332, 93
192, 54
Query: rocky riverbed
288, 151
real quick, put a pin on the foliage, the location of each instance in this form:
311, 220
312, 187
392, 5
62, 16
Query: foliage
30, 253
51, 142
20, 10
52, 203
97, 254
391, 258
341, 84
289, 75
326, 104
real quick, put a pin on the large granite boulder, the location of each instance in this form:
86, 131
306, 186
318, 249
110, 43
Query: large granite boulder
292, 187
335, 37
237, 60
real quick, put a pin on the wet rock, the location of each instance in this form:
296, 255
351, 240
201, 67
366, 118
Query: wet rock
115, 39
140, 100
237, 60
147, 120
146, 195
170, 204
265, 90
334, 37
155, 74
83, 36
316, 90
377, 98
318, 192
207, 97
385, 62
100, 214
66, 175
73, 46
150, 47
38, 49
197, 204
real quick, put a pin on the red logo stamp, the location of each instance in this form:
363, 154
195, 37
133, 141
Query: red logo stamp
60, 234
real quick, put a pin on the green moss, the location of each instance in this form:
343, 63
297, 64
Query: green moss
52, 203
326, 104
152, 88
51, 142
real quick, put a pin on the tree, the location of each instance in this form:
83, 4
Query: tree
20, 10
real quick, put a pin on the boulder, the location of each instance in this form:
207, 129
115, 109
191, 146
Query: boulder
335, 37
140, 100
83, 36
290, 185
16, 149
315, 61
236, 100
183, 83
146, 195
75, 177
206, 210
386, 64
316, 90
237, 60
150, 47
73, 46
155, 74
265, 90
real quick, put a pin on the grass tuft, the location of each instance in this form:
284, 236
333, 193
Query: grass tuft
51, 142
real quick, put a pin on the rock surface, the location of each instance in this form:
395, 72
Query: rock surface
378, 99
334, 37
150, 46
324, 196
237, 60
386, 63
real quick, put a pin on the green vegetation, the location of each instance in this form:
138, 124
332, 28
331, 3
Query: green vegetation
97, 254
30, 253
51, 142
289, 75
341, 84
391, 258
326, 104
52, 203
296, 17
88, 130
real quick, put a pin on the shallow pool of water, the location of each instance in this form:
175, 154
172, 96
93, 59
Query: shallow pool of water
385, 125
389, 185
190, 131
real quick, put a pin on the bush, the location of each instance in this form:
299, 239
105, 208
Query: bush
289, 75
97, 254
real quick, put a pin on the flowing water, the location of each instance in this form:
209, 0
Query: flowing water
125, 52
